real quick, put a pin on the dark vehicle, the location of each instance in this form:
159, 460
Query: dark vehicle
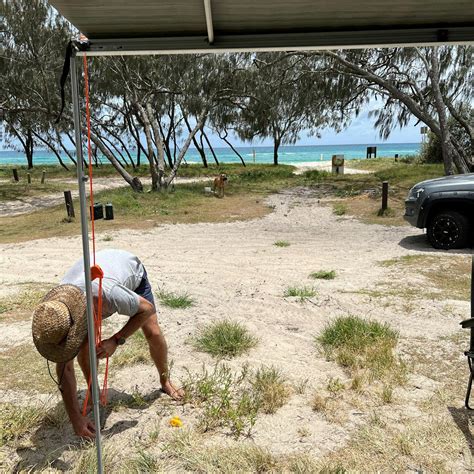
445, 207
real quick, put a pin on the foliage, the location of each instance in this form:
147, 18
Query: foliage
339, 209
431, 151
360, 344
431, 84
302, 292
224, 339
175, 300
16, 421
271, 388
323, 275
282, 243
227, 400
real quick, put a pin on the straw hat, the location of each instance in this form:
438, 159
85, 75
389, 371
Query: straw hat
60, 323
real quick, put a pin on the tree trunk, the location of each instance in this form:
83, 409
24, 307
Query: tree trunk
159, 145
133, 181
449, 152
61, 144
29, 149
149, 140
232, 147
51, 147
166, 141
203, 134
124, 147
195, 142
200, 123
276, 146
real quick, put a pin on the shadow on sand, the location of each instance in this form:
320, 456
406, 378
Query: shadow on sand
420, 243
49, 443
464, 419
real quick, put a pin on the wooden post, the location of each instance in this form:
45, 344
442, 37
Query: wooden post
43, 176
15, 175
28, 177
384, 196
69, 204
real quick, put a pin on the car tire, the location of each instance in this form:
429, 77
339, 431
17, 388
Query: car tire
448, 230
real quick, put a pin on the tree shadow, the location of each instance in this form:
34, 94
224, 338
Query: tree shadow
464, 419
51, 440
420, 243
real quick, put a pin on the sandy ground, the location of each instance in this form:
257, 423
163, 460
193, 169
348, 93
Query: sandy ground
324, 166
234, 271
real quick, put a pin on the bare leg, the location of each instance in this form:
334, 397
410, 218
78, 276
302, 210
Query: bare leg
84, 361
159, 354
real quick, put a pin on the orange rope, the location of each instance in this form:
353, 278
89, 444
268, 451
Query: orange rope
89, 152
96, 271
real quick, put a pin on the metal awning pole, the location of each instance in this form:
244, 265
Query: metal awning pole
81, 180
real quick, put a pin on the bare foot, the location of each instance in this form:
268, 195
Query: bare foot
175, 393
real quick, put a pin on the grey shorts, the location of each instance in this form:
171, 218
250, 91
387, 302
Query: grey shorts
144, 289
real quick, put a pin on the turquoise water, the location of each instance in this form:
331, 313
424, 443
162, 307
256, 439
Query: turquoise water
263, 154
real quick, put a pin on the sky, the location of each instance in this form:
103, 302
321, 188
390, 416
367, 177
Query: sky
360, 131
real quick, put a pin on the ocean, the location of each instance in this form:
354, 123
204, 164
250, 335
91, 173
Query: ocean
263, 154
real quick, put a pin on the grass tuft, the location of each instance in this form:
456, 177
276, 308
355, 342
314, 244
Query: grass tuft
175, 300
359, 344
302, 292
272, 389
86, 462
224, 339
282, 243
193, 454
323, 275
339, 209
16, 421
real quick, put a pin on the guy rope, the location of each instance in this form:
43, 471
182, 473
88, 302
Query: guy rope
96, 272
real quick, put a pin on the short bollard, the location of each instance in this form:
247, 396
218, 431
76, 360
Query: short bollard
69, 204
43, 176
28, 177
15, 175
384, 196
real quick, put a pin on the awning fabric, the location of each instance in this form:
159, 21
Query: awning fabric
195, 25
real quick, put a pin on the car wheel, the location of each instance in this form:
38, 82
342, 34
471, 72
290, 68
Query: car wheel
448, 230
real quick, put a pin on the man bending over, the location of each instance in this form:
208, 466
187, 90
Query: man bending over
60, 325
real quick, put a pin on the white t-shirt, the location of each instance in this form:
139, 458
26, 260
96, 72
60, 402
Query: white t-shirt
123, 273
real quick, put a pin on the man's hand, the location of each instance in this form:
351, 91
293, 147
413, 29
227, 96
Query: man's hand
83, 427
106, 348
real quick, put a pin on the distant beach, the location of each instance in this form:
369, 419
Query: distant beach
263, 154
